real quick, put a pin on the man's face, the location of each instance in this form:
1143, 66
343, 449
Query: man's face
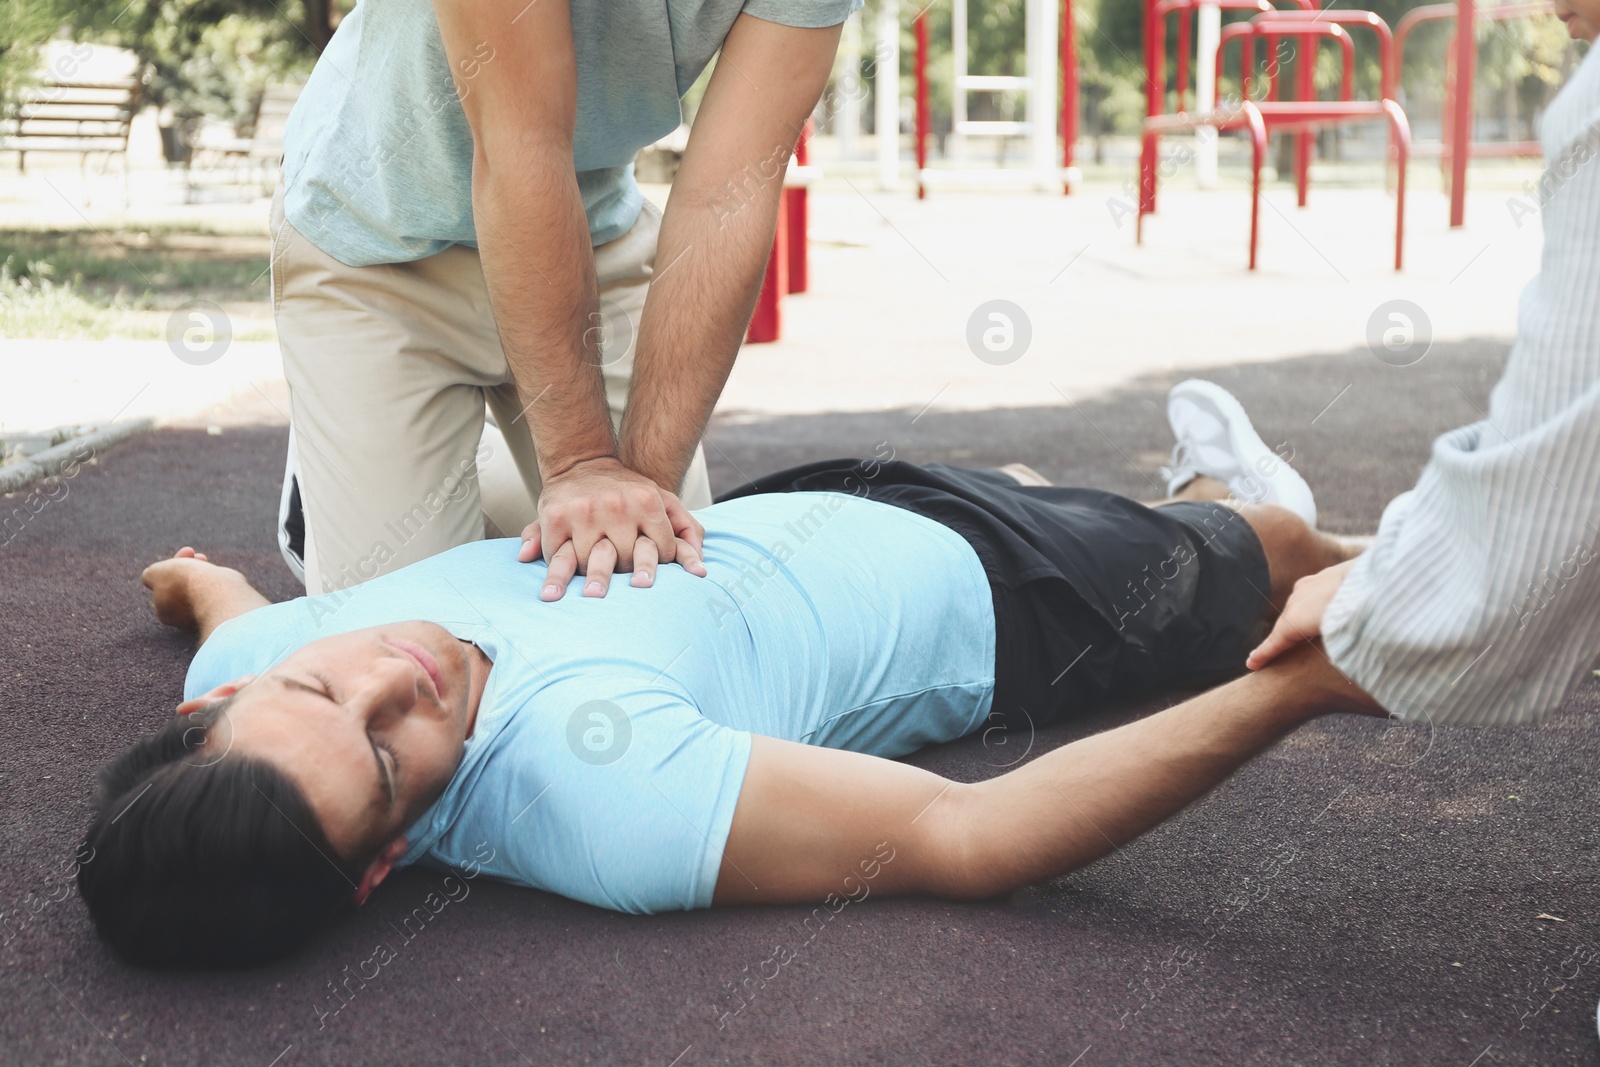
1581, 16
368, 724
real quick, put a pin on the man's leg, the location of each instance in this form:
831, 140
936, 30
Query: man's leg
387, 367
1292, 547
1185, 605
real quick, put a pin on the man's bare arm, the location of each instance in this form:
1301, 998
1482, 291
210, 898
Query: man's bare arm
516, 76
716, 236
808, 818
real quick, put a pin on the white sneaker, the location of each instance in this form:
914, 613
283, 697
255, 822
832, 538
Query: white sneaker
1215, 440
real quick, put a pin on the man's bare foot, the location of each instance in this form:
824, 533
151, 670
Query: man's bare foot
171, 586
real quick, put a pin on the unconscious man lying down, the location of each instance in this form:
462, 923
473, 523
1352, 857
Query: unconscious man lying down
726, 739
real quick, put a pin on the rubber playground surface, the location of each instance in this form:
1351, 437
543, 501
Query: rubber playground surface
1362, 894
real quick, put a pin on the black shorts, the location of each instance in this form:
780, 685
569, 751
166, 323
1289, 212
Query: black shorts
1097, 598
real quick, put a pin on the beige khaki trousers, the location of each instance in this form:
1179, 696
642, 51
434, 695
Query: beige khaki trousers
390, 369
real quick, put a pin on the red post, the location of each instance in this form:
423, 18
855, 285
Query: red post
921, 26
1185, 19
1274, 64
1154, 79
1400, 136
1305, 61
798, 210
1258, 146
1069, 89
766, 323
1466, 48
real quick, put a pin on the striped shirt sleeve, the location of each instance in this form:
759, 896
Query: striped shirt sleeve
1479, 602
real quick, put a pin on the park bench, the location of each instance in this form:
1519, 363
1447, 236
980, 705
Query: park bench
87, 118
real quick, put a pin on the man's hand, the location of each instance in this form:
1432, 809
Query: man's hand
190, 592
1301, 620
599, 518
169, 584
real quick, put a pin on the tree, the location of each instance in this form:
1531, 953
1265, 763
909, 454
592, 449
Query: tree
25, 26
211, 57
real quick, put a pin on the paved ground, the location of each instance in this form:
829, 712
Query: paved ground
896, 284
1361, 894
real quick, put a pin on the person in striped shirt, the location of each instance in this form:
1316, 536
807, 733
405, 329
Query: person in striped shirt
1479, 600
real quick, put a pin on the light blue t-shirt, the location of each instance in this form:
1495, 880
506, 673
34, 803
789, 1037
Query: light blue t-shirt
613, 736
378, 154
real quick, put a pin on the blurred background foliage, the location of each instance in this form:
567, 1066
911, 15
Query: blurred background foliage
25, 26
214, 57
1521, 62
204, 57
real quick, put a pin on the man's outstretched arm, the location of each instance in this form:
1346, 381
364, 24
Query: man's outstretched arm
808, 818
190, 592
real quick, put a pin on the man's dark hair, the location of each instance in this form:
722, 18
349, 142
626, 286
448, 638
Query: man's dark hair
206, 860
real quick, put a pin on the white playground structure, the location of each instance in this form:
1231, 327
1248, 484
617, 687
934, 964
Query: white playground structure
1049, 96
1049, 89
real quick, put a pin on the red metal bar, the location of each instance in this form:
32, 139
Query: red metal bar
1410, 21
1462, 56
1440, 12
1166, 7
1380, 31
1322, 28
1299, 116
1154, 73
766, 324
921, 25
1185, 20
1483, 149
1155, 66
1258, 149
1274, 67
1246, 117
798, 276
1466, 47
1305, 89
1069, 90
1242, 31
798, 208
1402, 33
1400, 134
1305, 115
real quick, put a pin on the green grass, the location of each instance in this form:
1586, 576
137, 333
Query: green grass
34, 305
85, 285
